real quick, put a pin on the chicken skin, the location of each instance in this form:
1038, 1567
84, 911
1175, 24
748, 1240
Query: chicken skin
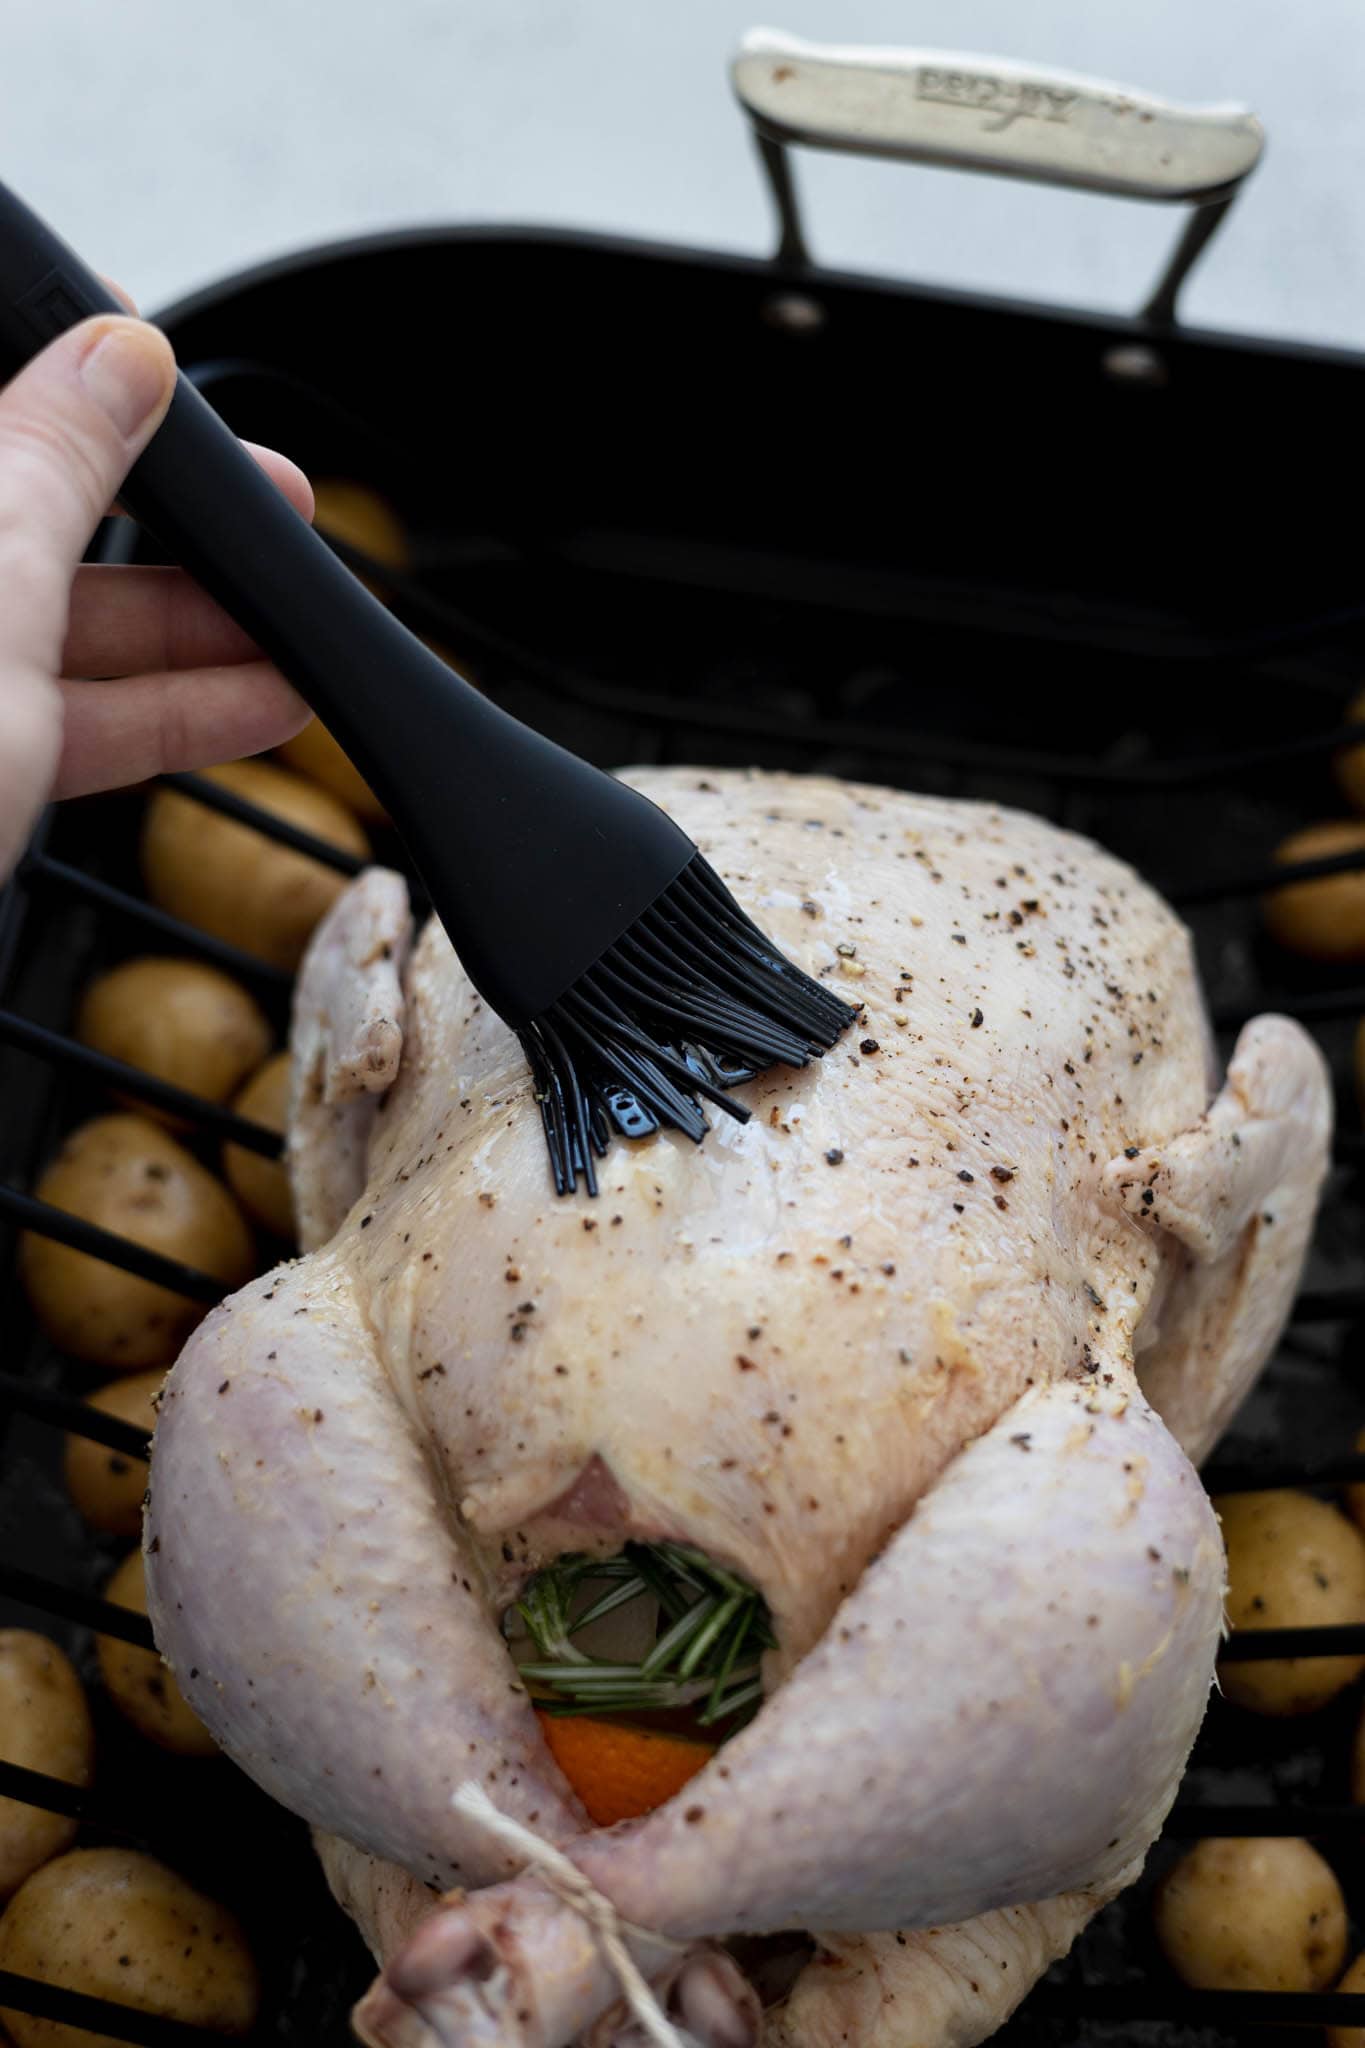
924, 1351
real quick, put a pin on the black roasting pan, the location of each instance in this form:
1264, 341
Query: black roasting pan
677, 506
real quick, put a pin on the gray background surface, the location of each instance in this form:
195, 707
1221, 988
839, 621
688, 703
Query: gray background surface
174, 140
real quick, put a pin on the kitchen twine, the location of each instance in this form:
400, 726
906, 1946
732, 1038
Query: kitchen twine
568, 1883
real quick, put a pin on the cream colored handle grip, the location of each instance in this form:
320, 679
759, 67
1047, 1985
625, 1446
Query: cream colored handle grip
992, 114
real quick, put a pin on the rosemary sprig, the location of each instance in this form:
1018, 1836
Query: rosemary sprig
712, 1629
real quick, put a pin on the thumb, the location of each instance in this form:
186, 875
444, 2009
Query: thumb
72, 423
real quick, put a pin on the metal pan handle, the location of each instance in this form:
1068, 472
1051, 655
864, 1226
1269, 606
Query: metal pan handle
992, 114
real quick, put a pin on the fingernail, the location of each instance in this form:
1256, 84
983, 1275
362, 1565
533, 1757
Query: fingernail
129, 373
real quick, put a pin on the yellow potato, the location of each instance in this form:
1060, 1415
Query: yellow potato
119, 1925
1293, 1562
1349, 2037
1252, 1915
314, 752
131, 1177
178, 1019
358, 516
45, 1726
233, 881
262, 1185
107, 1485
137, 1681
1349, 764
1324, 920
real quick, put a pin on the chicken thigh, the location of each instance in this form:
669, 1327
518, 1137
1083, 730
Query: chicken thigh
920, 1351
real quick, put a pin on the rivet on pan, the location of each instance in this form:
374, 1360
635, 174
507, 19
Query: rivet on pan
794, 313
1134, 363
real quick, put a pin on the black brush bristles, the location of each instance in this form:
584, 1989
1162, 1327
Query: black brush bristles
692, 1000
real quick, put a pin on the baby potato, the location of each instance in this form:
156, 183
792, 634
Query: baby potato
262, 1185
1293, 1562
1349, 765
359, 517
45, 1726
137, 1681
1350, 2037
1324, 920
314, 752
231, 880
129, 1176
1252, 1915
107, 1485
116, 1924
178, 1019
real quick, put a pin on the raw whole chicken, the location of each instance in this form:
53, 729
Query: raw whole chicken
923, 1351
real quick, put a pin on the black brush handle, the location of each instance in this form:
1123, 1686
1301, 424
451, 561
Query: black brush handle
519, 843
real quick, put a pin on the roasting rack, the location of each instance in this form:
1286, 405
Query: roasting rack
1035, 563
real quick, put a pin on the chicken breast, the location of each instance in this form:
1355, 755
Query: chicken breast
898, 1350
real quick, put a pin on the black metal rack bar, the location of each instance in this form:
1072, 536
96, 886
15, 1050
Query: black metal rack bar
1344, 1471
117, 1074
1322, 1006
40, 871
92, 1808
1263, 880
72, 1414
1194, 1820
86, 1608
101, 2016
1184, 2007
1265, 1645
215, 797
108, 1246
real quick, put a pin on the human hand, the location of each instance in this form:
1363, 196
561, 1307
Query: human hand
108, 675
